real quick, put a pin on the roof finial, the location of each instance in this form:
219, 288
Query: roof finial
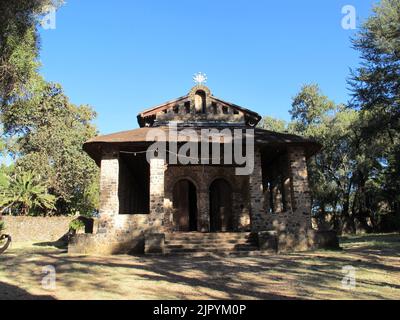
200, 78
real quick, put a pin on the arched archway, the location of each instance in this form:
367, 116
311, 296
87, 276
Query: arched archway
200, 101
221, 217
185, 205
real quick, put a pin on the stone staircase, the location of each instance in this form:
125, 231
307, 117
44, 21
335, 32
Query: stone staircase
242, 243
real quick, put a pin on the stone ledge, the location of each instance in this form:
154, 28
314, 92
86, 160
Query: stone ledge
267, 241
306, 240
154, 243
107, 244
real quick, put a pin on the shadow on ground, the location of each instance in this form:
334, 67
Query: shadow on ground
314, 275
11, 292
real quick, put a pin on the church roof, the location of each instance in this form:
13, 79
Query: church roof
198, 108
139, 138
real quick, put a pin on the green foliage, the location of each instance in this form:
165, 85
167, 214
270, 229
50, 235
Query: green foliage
347, 177
76, 225
376, 82
272, 124
26, 194
2, 226
357, 173
19, 48
49, 133
42, 130
375, 85
309, 107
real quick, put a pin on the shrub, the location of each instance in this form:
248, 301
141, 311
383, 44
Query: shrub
76, 225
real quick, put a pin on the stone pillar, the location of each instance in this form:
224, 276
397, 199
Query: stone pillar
257, 213
157, 171
286, 184
287, 195
300, 192
109, 201
203, 215
277, 198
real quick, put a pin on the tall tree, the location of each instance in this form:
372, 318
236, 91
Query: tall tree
44, 131
19, 45
272, 124
50, 132
376, 90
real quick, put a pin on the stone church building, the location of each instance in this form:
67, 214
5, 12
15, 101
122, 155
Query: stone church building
158, 206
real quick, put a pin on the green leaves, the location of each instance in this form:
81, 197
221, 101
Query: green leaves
25, 193
44, 131
20, 44
50, 132
376, 82
309, 106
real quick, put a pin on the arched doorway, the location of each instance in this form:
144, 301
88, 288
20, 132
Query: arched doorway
221, 217
185, 205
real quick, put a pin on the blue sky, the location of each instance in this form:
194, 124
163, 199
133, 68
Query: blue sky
125, 56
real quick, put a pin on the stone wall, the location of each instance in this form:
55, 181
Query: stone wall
297, 214
109, 202
157, 170
258, 215
202, 177
36, 229
117, 232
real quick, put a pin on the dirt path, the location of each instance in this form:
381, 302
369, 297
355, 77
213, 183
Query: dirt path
316, 275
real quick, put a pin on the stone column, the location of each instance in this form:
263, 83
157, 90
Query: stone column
286, 184
300, 192
157, 172
109, 201
203, 215
257, 211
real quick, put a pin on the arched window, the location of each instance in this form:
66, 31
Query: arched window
200, 101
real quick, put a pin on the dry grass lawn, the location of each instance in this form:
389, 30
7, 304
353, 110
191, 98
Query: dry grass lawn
312, 275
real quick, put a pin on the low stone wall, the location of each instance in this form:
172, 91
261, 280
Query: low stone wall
107, 244
306, 240
303, 240
36, 229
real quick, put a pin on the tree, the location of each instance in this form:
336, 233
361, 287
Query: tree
309, 106
44, 131
344, 176
25, 193
19, 45
376, 91
49, 133
272, 124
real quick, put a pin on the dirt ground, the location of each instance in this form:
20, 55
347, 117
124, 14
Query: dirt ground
25, 274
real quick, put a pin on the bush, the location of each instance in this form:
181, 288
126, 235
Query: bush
2, 226
76, 225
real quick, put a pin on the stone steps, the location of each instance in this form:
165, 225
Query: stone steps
209, 250
212, 243
202, 236
199, 241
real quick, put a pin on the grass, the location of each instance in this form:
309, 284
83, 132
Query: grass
311, 275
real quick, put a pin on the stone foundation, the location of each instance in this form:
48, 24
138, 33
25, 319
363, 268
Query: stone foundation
283, 242
106, 244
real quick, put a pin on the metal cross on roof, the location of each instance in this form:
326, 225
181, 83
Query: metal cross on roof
200, 78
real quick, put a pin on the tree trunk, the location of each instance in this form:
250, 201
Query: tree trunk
348, 225
7, 244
